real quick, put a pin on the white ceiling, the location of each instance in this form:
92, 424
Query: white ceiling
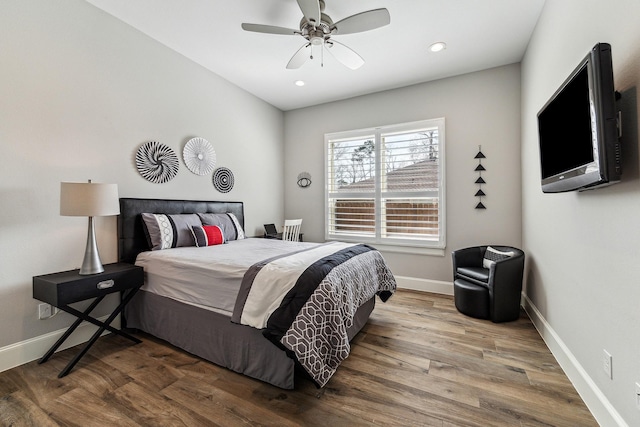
480, 34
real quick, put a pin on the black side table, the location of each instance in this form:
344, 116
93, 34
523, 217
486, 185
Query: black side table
68, 287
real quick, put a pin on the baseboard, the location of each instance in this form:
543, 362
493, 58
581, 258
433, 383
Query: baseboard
425, 285
602, 410
25, 351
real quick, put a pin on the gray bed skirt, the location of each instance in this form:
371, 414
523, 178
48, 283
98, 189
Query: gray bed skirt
214, 337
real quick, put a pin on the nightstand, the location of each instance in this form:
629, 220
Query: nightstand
68, 287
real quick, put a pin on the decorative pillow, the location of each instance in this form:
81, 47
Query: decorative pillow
207, 235
227, 222
491, 255
170, 231
236, 224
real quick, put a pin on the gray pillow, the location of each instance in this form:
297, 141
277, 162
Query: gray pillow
170, 231
227, 222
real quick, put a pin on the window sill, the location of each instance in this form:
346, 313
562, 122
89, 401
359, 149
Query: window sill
414, 250
401, 249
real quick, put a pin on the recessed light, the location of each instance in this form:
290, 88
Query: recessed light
299, 83
438, 46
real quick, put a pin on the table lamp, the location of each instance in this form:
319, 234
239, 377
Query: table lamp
89, 199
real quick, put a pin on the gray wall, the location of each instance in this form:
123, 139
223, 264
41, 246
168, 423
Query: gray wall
79, 92
481, 108
582, 248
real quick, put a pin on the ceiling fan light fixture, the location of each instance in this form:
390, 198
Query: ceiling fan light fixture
438, 47
317, 40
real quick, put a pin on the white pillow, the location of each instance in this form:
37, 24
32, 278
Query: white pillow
492, 255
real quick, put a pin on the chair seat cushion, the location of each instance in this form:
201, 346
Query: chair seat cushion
477, 275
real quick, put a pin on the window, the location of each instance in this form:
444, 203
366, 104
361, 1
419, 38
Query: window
386, 185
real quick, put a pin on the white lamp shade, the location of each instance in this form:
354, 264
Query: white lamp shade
88, 199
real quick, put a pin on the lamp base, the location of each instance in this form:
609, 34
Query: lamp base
91, 263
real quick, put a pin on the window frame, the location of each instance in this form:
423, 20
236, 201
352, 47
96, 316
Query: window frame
422, 245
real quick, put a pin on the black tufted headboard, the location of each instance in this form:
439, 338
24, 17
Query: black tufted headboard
131, 236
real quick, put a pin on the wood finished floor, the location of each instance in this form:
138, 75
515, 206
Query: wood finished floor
417, 362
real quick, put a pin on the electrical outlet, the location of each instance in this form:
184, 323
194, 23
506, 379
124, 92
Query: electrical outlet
607, 360
44, 311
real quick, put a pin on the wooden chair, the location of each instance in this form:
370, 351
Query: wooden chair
291, 230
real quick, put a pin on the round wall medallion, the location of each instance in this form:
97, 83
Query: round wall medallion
304, 179
199, 156
223, 180
157, 162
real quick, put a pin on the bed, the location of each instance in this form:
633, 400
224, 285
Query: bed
211, 300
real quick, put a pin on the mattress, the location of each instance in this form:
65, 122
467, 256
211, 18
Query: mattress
209, 277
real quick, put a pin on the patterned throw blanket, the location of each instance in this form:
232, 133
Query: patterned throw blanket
304, 302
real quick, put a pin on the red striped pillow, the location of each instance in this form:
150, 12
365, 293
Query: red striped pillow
207, 235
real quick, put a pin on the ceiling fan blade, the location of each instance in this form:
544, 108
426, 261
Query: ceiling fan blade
269, 29
300, 57
344, 54
364, 21
311, 10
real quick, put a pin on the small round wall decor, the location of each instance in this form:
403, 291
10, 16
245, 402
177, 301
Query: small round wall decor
223, 180
304, 179
199, 156
157, 162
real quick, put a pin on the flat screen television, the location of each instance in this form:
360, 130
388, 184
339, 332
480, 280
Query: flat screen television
577, 128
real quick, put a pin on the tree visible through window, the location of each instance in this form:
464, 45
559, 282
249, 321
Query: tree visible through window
386, 184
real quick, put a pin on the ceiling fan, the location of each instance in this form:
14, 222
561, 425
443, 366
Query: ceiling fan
318, 29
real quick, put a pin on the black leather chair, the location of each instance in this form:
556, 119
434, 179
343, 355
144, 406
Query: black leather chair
488, 293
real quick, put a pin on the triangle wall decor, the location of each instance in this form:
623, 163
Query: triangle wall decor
480, 194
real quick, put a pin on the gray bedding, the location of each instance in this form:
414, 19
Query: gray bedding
305, 301
212, 336
197, 328
209, 277
241, 348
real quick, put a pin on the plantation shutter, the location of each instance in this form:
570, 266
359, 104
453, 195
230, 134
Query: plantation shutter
352, 187
409, 185
385, 185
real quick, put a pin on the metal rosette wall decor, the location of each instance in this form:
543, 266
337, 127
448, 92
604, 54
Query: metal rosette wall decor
223, 180
157, 162
199, 156
304, 179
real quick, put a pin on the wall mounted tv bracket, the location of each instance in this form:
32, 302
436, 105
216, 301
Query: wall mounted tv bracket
619, 116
